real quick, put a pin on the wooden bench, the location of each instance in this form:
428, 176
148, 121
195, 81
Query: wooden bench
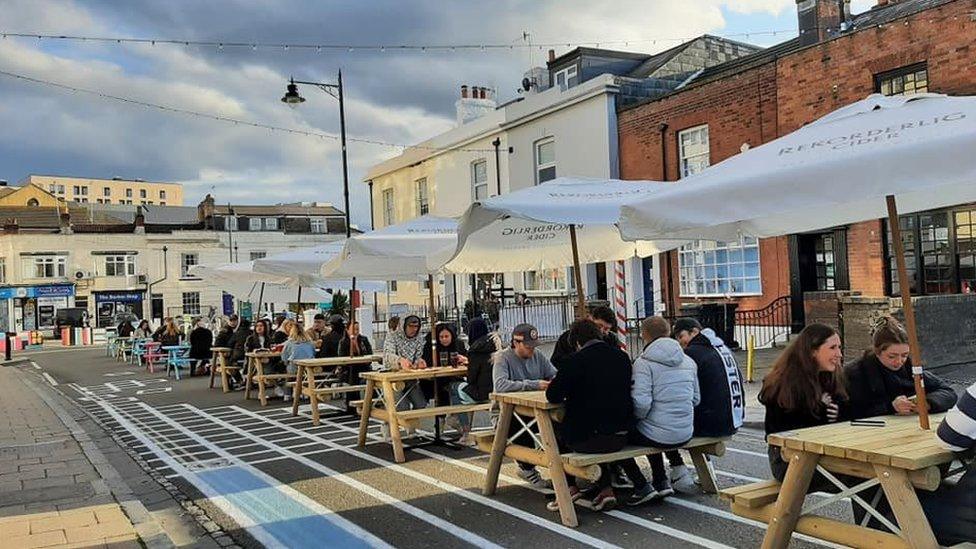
255, 374
587, 466
219, 364
313, 377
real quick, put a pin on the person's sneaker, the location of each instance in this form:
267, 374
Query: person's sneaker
662, 488
278, 391
467, 440
533, 477
603, 500
385, 431
642, 495
683, 479
574, 494
619, 479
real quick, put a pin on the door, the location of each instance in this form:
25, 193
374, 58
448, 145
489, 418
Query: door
601, 281
646, 307
156, 305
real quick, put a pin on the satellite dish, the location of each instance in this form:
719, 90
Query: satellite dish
527, 84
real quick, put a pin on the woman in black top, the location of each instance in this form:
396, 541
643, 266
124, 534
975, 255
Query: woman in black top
260, 338
450, 352
354, 344
171, 335
881, 381
201, 339
805, 388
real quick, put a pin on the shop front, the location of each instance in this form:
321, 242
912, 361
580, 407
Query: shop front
113, 306
28, 308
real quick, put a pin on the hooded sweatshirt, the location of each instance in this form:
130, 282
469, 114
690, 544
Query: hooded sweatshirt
398, 345
722, 408
665, 392
447, 355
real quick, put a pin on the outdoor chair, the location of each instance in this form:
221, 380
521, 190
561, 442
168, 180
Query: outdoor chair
181, 360
154, 356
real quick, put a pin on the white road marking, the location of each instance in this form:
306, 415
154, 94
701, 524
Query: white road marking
49, 379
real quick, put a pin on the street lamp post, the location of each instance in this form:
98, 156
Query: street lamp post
292, 98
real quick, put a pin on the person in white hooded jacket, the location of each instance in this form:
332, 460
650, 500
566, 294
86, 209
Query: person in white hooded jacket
665, 393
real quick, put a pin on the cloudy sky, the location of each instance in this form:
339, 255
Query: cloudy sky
393, 97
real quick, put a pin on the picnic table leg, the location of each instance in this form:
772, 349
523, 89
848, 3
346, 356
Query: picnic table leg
249, 364
367, 409
567, 511
706, 474
260, 378
498, 448
313, 397
915, 528
224, 376
389, 398
213, 368
786, 510
296, 395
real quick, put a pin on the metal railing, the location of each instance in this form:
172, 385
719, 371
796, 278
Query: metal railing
769, 326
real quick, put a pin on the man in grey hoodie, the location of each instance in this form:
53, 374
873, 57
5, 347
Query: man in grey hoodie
522, 367
665, 394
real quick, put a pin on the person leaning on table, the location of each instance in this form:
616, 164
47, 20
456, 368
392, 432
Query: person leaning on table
522, 367
881, 383
404, 350
805, 388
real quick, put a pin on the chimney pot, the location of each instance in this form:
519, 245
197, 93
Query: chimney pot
552, 55
464, 92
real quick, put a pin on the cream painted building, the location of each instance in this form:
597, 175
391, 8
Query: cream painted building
109, 191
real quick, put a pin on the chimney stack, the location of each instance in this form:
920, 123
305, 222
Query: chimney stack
464, 91
820, 19
64, 222
479, 102
140, 221
552, 55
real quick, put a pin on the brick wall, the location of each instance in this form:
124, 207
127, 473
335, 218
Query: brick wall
766, 101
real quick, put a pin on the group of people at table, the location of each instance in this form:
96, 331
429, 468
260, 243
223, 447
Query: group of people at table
686, 383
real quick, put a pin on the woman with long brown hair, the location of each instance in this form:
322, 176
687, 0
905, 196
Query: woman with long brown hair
805, 387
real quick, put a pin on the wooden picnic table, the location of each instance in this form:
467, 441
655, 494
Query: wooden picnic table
305, 382
255, 373
385, 381
218, 363
535, 405
899, 456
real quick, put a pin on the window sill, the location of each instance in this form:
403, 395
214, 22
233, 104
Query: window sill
720, 296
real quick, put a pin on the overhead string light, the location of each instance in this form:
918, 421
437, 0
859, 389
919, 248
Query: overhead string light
227, 119
225, 44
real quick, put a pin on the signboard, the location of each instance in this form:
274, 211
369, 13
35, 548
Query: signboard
118, 297
54, 290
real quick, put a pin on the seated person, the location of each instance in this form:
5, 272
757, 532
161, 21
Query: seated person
665, 394
330, 341
723, 405
225, 333
522, 367
594, 383
881, 382
450, 352
317, 331
478, 384
805, 388
354, 344
607, 322
403, 350
297, 347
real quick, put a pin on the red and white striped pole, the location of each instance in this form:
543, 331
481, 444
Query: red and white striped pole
620, 302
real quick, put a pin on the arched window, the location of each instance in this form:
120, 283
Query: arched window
33, 202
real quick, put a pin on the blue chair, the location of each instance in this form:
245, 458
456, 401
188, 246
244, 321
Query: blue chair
178, 359
138, 351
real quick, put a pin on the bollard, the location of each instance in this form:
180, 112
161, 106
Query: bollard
7, 345
750, 357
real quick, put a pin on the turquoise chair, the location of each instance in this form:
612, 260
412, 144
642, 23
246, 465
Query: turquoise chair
178, 360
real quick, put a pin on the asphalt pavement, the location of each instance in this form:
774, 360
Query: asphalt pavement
260, 477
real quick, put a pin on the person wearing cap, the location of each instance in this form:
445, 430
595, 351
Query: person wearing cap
225, 333
317, 331
722, 408
522, 367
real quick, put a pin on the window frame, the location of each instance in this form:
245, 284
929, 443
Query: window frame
320, 222
557, 287
3, 270
683, 158
388, 203
703, 271
270, 223
185, 265
193, 308
565, 72
903, 73
107, 191
540, 166
254, 224
126, 261
475, 184
421, 191
128, 193
58, 266
257, 254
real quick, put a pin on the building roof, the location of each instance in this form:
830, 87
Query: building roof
4, 191
31, 217
877, 15
277, 209
106, 179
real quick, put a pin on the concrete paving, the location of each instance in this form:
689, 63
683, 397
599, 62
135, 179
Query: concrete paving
256, 476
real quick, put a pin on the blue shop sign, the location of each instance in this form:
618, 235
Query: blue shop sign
118, 297
59, 290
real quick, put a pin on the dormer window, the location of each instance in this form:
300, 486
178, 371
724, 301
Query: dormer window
566, 78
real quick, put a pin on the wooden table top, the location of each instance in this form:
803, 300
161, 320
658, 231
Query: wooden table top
262, 354
900, 443
220, 349
529, 399
405, 375
338, 360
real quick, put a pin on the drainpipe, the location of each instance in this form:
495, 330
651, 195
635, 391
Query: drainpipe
149, 286
372, 217
669, 265
498, 165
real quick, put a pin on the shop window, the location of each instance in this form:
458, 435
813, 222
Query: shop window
940, 253
545, 280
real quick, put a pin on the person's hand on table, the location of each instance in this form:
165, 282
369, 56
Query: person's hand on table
421, 364
406, 364
903, 406
462, 360
543, 384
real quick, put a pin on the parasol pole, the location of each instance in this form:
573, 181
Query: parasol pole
909, 309
432, 314
260, 299
580, 305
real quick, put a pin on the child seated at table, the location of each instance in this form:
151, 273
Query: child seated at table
297, 347
805, 388
594, 383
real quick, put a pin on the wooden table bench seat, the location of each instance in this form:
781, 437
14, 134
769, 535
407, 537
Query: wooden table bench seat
752, 496
314, 375
434, 411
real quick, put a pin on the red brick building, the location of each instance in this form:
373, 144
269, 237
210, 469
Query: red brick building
907, 46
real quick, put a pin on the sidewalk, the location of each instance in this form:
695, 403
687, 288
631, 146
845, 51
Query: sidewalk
55, 485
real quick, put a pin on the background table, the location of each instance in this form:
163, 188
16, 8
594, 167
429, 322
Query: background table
899, 455
385, 380
174, 359
255, 372
308, 368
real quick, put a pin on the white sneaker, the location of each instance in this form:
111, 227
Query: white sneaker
278, 391
682, 479
533, 477
467, 440
385, 431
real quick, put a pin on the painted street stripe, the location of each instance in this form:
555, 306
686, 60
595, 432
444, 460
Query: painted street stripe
369, 490
450, 488
49, 379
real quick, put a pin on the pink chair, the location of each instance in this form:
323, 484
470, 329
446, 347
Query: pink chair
154, 356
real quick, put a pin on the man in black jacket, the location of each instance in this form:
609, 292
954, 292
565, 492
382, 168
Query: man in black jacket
330, 341
604, 318
225, 333
722, 408
594, 383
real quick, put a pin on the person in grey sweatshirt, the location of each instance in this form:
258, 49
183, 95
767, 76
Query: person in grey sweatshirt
665, 393
522, 367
